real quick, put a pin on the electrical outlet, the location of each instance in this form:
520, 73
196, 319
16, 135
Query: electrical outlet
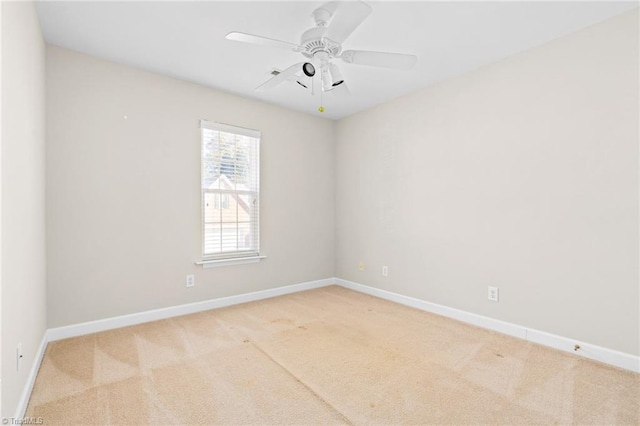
191, 280
18, 356
361, 266
493, 294
385, 271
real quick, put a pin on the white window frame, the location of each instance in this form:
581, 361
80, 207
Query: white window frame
240, 256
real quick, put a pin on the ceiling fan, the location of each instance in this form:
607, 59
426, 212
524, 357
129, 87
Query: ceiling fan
322, 44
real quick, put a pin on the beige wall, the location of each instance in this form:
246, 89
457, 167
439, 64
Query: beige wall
521, 175
123, 200
23, 196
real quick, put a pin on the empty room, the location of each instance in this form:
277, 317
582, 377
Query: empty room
310, 213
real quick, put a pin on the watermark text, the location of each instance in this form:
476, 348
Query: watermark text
22, 420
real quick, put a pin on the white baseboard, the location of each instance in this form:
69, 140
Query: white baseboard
31, 379
174, 311
587, 350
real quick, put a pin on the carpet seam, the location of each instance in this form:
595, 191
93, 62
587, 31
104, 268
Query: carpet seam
309, 388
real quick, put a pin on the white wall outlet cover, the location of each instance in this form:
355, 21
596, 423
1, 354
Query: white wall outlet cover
191, 280
492, 294
385, 271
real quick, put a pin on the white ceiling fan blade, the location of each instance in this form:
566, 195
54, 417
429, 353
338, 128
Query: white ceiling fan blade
261, 41
379, 59
347, 17
280, 78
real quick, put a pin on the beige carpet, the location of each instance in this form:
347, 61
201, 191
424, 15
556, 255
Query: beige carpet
326, 356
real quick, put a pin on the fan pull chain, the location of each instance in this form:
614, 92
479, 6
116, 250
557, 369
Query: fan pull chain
321, 108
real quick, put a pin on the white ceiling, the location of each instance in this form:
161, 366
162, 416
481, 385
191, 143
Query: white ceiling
187, 40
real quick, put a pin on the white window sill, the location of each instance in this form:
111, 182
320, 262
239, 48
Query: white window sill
216, 263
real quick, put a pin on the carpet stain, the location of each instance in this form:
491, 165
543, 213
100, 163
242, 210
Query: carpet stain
281, 321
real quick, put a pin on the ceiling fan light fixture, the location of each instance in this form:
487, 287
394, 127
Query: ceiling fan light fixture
336, 76
308, 69
327, 81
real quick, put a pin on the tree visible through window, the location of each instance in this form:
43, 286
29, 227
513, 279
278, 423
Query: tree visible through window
230, 191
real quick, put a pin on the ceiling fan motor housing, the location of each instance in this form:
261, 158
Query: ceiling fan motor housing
312, 42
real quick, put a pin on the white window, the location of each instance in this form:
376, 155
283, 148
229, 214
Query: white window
230, 192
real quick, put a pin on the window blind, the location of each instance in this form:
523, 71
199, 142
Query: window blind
230, 191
